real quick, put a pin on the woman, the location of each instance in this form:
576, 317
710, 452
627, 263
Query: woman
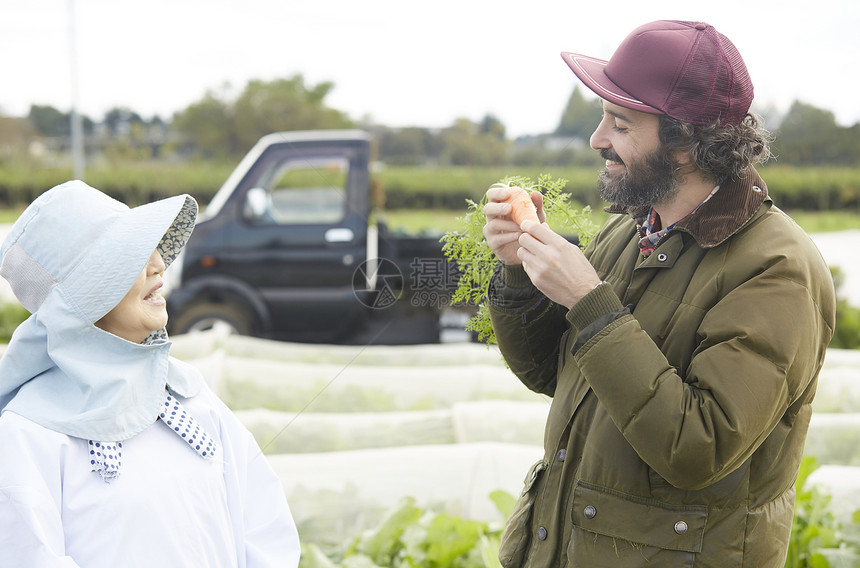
113, 452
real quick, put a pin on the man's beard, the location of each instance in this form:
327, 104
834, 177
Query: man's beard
651, 180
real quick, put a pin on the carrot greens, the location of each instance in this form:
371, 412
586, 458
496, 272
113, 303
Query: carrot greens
474, 258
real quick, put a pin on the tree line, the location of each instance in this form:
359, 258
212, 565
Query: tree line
223, 127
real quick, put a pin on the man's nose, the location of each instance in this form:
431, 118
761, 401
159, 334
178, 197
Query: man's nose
598, 140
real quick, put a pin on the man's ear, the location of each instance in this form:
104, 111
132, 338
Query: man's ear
686, 165
683, 159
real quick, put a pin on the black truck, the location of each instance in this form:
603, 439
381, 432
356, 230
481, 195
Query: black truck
288, 249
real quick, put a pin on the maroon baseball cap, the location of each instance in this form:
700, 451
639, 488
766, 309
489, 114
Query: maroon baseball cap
687, 70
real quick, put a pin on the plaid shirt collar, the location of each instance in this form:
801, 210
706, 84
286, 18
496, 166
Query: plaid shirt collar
650, 233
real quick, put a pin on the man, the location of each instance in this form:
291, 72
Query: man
682, 348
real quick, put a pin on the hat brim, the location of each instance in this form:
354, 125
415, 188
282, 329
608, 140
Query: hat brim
592, 72
115, 259
175, 237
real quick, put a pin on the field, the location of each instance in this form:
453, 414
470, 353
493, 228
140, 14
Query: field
376, 442
414, 438
433, 221
400, 187
438, 221
826, 221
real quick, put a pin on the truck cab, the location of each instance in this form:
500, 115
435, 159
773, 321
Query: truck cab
285, 250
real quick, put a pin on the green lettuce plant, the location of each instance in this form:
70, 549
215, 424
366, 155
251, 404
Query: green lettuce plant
412, 537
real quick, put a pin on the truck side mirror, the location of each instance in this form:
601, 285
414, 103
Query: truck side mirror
256, 203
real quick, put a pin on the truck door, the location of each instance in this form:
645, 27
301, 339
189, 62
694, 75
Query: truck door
301, 233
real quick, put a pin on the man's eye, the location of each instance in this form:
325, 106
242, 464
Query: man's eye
617, 128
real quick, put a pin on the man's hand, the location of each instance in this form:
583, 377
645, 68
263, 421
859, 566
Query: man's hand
501, 231
555, 266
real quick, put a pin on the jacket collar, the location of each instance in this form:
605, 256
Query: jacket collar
721, 216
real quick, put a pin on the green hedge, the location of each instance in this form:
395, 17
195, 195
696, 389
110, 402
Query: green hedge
814, 188
405, 187
12, 314
448, 188
133, 183
808, 189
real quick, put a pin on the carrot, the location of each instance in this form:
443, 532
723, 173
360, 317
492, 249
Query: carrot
522, 206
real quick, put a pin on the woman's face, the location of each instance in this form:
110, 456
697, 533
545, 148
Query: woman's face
143, 310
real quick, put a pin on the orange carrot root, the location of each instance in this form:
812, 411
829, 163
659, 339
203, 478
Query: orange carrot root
522, 207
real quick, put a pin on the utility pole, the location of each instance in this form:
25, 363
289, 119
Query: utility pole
77, 123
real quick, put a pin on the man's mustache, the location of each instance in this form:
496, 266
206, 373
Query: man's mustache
608, 154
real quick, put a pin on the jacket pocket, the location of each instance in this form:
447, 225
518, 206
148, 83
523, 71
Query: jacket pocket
610, 527
515, 537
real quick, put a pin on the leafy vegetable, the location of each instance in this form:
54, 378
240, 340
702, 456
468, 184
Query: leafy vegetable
814, 527
476, 260
818, 539
411, 537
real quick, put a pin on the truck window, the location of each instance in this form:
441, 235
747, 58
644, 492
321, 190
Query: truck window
303, 192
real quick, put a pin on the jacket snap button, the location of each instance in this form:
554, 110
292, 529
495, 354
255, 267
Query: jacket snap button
662, 257
590, 512
542, 533
561, 455
681, 527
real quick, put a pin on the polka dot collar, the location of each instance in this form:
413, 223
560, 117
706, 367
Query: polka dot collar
106, 457
186, 427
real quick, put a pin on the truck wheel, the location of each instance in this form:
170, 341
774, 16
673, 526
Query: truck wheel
225, 318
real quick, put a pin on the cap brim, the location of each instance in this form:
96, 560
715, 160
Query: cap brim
592, 72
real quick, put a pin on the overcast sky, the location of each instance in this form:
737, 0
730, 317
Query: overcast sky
399, 63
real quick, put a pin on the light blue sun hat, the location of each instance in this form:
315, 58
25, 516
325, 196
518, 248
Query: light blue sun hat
72, 256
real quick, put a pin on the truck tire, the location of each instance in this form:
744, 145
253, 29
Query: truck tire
210, 316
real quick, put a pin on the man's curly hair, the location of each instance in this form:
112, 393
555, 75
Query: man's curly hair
719, 151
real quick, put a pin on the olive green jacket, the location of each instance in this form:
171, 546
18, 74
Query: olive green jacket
681, 391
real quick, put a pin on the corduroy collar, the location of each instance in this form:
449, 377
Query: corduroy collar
721, 216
